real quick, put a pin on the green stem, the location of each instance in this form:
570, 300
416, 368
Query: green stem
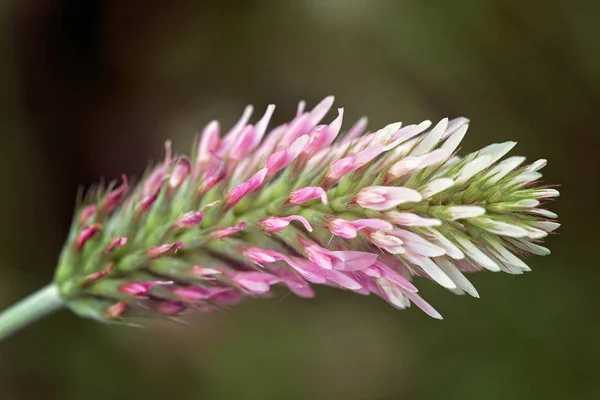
29, 310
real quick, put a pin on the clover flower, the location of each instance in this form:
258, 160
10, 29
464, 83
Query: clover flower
299, 205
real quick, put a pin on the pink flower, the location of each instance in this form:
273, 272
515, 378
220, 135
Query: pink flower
181, 171
116, 310
377, 209
236, 194
277, 224
154, 182
260, 256
158, 251
391, 243
385, 197
208, 144
303, 195
87, 213
256, 283
86, 234
349, 164
193, 218
322, 136
117, 242
167, 307
349, 229
140, 289
281, 159
229, 231
198, 293
114, 198
339, 260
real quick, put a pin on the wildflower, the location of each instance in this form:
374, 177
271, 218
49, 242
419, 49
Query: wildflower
305, 203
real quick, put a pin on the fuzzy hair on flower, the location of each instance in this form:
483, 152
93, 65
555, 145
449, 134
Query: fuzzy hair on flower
302, 204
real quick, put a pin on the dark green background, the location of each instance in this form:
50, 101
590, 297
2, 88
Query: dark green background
90, 89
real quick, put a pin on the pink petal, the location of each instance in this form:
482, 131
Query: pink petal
157, 251
229, 231
114, 198
117, 242
352, 260
236, 194
256, 282
277, 224
303, 195
343, 279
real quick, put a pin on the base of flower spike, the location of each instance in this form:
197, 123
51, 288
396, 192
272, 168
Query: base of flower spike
43, 302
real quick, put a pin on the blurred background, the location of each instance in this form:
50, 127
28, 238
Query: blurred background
91, 89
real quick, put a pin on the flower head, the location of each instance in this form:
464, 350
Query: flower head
305, 203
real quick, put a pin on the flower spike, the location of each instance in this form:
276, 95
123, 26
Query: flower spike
305, 203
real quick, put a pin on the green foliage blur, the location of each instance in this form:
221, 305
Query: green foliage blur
91, 89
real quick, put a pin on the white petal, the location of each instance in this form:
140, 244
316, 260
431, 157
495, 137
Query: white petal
473, 167
451, 249
496, 150
543, 213
525, 177
452, 143
527, 203
410, 219
404, 166
393, 293
431, 139
546, 193
506, 256
464, 212
418, 245
404, 148
436, 186
477, 255
503, 169
454, 125
529, 247
534, 233
547, 226
431, 269
536, 166
501, 228
411, 131
457, 277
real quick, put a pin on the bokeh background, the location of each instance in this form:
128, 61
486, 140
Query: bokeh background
91, 89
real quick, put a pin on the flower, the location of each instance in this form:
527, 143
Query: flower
305, 203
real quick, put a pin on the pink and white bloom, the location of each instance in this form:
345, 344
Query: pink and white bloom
305, 203
277, 224
303, 195
382, 198
349, 229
